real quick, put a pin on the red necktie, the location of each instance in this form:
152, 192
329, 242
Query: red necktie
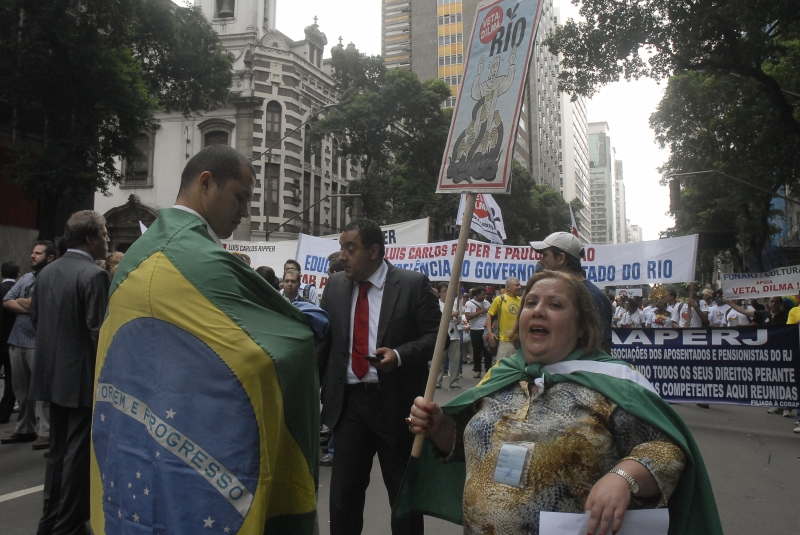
361, 331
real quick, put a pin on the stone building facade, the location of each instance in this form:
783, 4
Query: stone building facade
279, 86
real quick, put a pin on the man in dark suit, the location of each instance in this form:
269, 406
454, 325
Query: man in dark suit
10, 271
68, 307
389, 313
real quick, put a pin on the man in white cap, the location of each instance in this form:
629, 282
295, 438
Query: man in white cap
561, 251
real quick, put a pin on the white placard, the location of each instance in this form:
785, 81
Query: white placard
780, 281
642, 522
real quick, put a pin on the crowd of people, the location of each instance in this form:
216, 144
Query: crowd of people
582, 431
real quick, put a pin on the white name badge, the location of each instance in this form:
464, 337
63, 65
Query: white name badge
511, 464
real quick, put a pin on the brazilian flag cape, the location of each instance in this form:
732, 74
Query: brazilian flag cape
206, 412
433, 488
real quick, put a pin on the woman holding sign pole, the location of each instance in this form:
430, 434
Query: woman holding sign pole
560, 426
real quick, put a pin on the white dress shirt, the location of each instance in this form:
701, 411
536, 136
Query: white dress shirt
375, 297
208, 227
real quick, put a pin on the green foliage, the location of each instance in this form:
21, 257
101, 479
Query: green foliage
79, 80
727, 124
754, 39
531, 212
394, 126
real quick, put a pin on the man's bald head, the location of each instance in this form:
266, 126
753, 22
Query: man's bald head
222, 161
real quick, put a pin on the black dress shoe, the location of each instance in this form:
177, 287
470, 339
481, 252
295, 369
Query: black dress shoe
16, 438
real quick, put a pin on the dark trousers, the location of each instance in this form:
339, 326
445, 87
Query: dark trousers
7, 403
479, 353
363, 430
66, 483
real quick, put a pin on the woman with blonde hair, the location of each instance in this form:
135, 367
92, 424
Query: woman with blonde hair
112, 261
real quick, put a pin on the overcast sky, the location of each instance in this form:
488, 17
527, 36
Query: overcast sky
626, 107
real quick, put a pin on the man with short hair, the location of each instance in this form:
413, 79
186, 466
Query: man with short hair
10, 272
67, 309
504, 308
384, 322
692, 313
291, 286
562, 251
672, 298
21, 348
219, 426
308, 291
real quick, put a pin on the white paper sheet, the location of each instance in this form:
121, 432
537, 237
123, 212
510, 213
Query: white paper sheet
644, 522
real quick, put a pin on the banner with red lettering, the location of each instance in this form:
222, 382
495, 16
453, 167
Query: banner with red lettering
657, 261
780, 281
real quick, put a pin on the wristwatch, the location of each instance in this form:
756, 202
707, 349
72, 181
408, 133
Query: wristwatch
634, 486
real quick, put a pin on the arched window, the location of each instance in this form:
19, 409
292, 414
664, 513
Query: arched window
272, 124
318, 154
335, 157
215, 137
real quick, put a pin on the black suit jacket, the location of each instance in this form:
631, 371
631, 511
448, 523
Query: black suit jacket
408, 323
68, 306
7, 317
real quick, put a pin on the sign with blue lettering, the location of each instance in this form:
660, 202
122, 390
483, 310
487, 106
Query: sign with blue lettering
480, 146
744, 366
647, 262
143, 404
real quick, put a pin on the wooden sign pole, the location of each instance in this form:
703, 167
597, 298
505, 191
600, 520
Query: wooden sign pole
453, 291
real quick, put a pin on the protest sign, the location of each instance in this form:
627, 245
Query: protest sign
780, 281
275, 253
487, 219
486, 263
646, 262
629, 292
745, 366
478, 155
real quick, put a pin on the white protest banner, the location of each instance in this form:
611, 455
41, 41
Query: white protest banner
651, 262
405, 233
479, 151
275, 253
264, 253
780, 281
487, 220
646, 262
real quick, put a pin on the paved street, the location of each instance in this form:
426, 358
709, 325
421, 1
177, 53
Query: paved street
753, 459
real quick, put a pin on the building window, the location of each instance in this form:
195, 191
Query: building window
318, 154
272, 123
307, 150
216, 132
224, 9
334, 205
335, 157
216, 137
138, 172
343, 212
273, 181
317, 191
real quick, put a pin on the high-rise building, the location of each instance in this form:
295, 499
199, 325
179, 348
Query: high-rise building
278, 85
634, 233
574, 145
429, 39
619, 201
601, 184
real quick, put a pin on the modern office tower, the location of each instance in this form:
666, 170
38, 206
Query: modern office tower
575, 164
278, 85
430, 38
619, 191
601, 184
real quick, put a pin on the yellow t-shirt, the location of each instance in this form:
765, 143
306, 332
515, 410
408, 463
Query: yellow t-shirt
508, 315
794, 316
